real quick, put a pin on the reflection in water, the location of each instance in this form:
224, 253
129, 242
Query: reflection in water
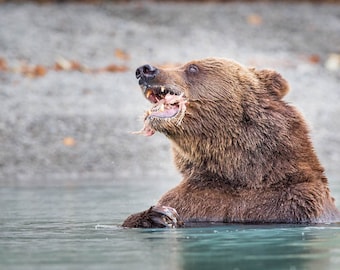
78, 228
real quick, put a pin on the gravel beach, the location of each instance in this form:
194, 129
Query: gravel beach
67, 111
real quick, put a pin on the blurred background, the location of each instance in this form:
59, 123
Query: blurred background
69, 98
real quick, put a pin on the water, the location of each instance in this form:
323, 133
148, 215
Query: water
77, 227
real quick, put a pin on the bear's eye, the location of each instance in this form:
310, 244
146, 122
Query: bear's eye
193, 69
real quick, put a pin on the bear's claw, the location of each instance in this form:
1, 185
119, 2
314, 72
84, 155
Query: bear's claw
165, 216
157, 216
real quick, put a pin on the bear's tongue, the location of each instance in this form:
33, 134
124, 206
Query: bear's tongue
165, 108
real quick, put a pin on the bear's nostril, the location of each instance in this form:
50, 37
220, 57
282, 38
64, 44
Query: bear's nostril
147, 69
146, 72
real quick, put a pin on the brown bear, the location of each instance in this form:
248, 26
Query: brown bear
244, 153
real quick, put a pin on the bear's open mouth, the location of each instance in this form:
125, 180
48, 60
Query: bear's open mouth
168, 102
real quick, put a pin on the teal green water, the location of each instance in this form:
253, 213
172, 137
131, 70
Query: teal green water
78, 228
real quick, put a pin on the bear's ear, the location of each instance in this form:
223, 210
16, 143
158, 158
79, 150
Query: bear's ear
274, 82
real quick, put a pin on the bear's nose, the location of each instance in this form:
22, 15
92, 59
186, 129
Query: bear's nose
146, 73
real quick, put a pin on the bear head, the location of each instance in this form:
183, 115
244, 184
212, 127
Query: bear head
205, 95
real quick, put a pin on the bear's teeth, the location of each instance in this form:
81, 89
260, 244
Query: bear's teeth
148, 93
162, 89
161, 108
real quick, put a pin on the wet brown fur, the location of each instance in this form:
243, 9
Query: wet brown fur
245, 154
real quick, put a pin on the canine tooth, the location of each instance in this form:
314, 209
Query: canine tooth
148, 93
161, 108
162, 89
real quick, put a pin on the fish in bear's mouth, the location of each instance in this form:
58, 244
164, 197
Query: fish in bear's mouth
169, 103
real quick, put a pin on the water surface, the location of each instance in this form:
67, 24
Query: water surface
77, 227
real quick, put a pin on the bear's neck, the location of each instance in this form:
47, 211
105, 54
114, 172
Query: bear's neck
251, 160
206, 163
